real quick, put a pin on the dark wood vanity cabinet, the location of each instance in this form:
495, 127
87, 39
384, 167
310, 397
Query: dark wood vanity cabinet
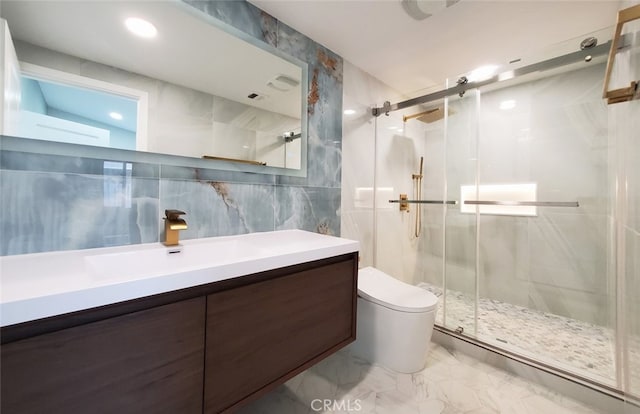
143, 362
208, 349
262, 334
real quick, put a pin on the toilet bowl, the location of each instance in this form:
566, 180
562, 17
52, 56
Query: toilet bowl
395, 322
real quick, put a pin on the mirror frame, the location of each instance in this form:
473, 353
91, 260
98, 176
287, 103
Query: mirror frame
56, 148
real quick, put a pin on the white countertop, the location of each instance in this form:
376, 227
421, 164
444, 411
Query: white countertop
39, 285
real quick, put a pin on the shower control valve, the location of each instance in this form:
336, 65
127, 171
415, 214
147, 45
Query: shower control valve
404, 205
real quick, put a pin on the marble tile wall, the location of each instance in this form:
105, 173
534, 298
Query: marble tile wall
53, 202
556, 136
394, 148
359, 132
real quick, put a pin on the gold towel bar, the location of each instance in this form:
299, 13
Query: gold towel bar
623, 94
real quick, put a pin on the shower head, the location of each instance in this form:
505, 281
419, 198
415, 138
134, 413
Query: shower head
428, 116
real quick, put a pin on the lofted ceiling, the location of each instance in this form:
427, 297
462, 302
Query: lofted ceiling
413, 56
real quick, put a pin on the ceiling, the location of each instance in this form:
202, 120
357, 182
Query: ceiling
414, 56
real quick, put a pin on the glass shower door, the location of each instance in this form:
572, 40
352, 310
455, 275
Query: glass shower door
625, 119
460, 266
543, 267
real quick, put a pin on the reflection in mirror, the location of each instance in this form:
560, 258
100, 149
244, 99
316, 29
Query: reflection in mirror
191, 89
88, 115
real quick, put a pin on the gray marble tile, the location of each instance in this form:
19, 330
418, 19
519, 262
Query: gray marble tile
324, 155
241, 15
219, 209
315, 387
308, 208
503, 254
569, 251
58, 211
281, 401
210, 174
27, 161
450, 383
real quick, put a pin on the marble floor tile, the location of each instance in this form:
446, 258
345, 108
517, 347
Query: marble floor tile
583, 348
431, 407
470, 387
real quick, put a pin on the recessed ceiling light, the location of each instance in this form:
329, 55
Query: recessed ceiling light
141, 27
115, 115
349, 111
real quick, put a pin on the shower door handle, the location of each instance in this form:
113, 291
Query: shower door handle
524, 203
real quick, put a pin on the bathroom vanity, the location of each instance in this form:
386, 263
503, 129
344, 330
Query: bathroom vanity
174, 339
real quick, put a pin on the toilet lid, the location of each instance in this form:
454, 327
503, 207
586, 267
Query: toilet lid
377, 286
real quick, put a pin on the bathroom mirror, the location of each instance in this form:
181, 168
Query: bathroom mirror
193, 86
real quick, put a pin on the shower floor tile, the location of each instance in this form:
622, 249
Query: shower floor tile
569, 344
451, 383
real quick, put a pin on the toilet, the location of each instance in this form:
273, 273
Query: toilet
395, 322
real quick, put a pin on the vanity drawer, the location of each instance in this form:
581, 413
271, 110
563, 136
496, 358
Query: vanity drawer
261, 334
144, 362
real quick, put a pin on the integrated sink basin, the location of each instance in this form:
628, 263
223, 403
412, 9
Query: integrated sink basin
165, 260
41, 285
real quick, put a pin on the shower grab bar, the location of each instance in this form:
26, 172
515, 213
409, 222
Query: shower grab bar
454, 202
525, 203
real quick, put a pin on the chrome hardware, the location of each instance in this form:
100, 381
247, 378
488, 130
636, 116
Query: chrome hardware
525, 203
462, 81
386, 107
588, 43
552, 63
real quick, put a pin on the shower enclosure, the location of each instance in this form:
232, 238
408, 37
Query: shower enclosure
530, 217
